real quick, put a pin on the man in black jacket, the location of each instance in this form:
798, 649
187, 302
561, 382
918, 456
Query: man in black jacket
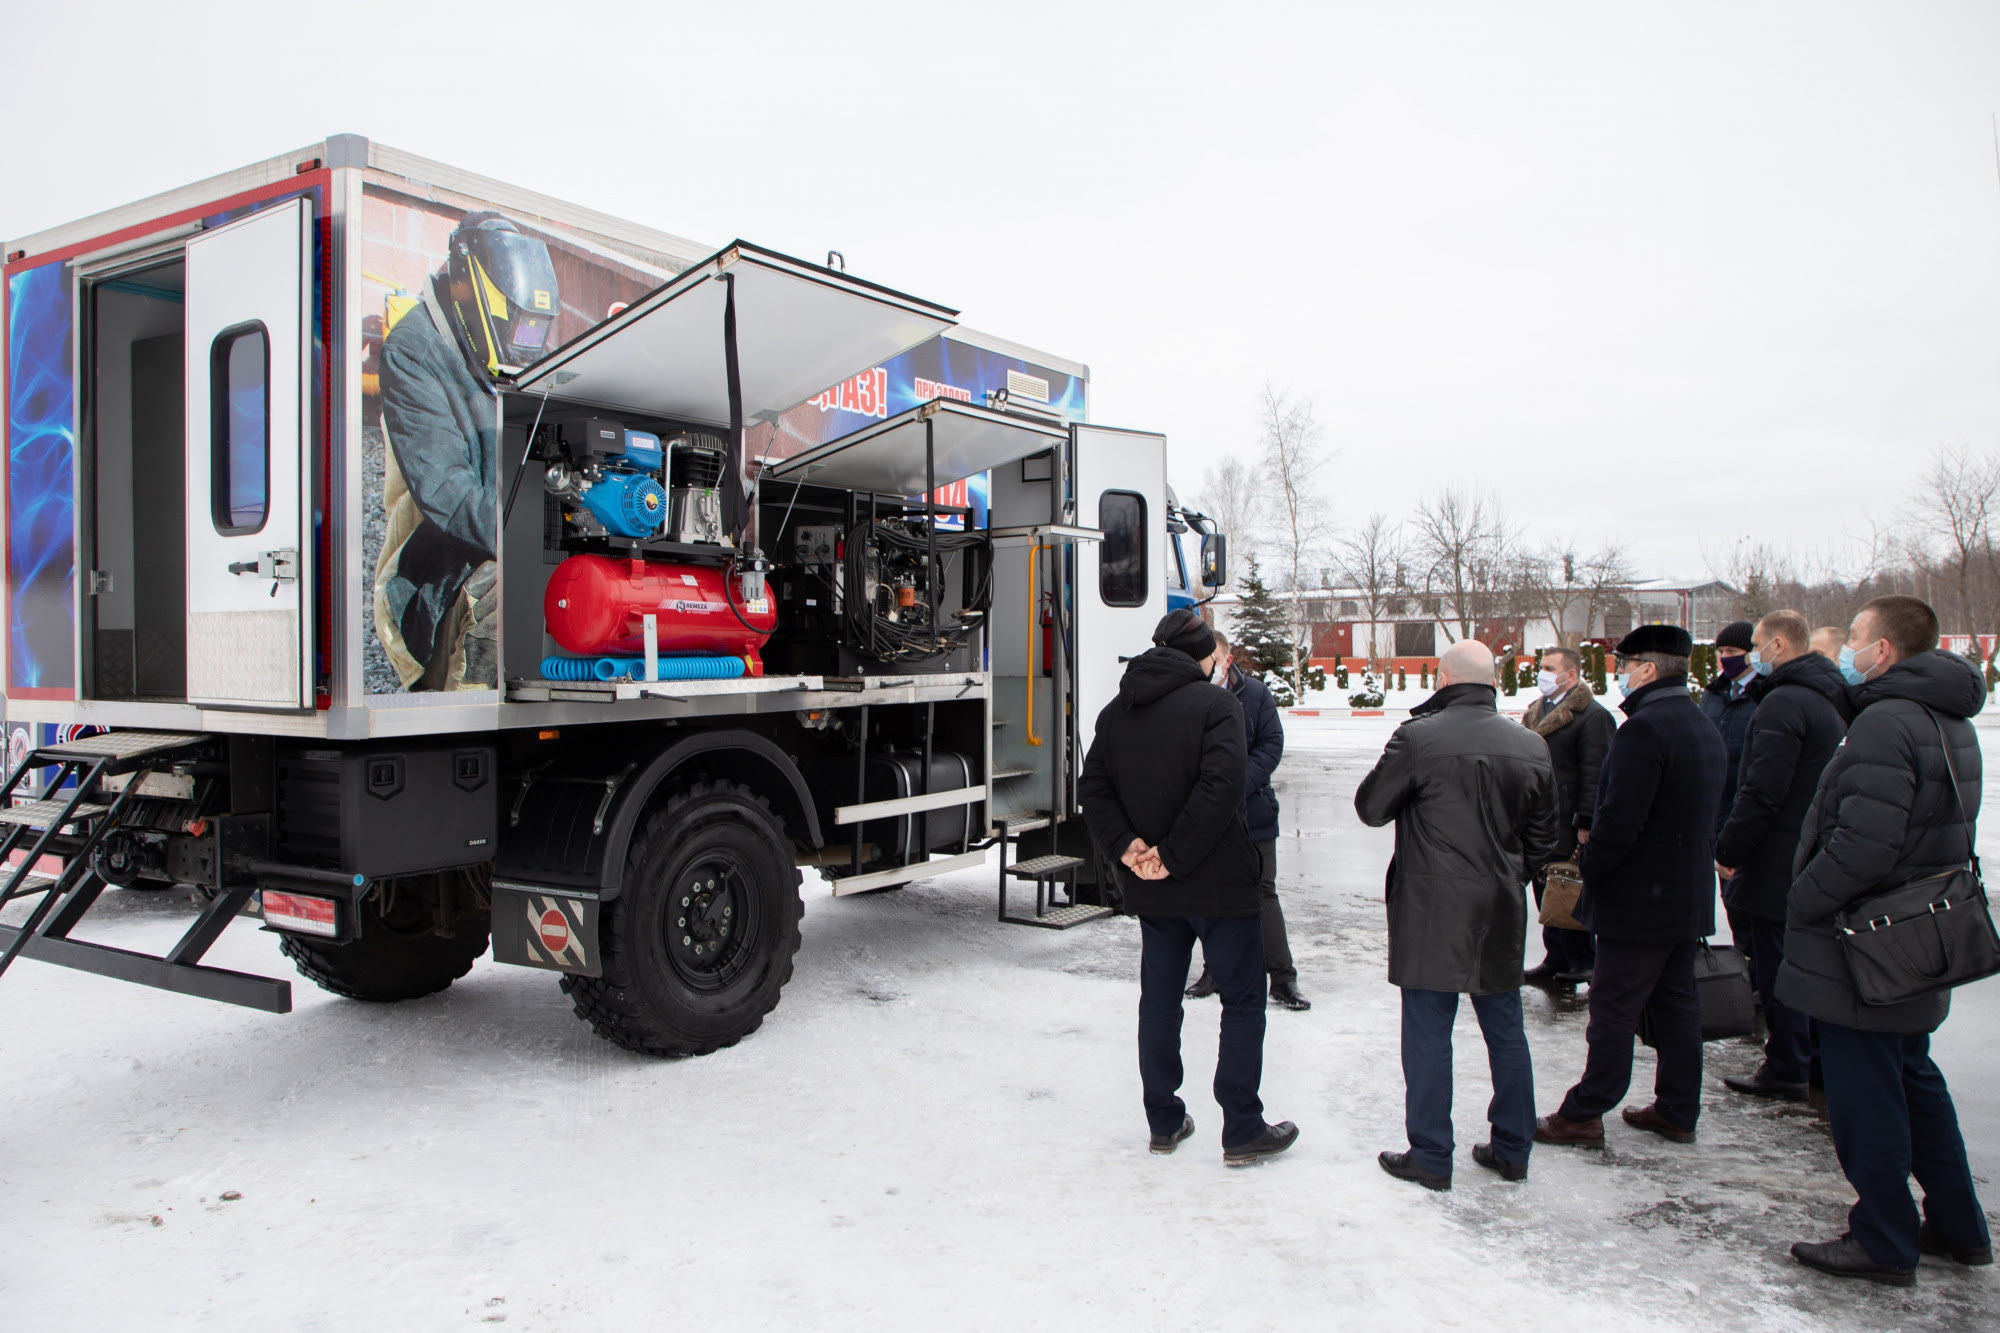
1578, 731
1265, 736
1474, 800
1648, 895
1727, 703
1162, 794
1800, 718
1897, 803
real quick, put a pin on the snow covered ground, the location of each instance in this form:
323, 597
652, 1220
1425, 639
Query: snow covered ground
939, 1127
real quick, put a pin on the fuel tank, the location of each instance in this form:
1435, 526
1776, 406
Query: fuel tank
596, 605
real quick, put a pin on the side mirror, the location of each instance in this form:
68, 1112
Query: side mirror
1214, 560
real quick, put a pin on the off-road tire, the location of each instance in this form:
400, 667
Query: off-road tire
656, 996
399, 956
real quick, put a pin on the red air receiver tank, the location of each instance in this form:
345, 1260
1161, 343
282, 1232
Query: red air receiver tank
596, 607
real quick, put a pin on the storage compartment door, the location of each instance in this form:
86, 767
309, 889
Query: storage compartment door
249, 297
1121, 581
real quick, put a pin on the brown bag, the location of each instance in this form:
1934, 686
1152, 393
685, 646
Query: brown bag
1559, 895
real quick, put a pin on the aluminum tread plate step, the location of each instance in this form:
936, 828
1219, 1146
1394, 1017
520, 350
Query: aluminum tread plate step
1062, 918
1041, 867
39, 814
118, 745
1009, 825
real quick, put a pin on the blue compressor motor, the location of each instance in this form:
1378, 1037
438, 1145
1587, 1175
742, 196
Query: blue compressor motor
629, 501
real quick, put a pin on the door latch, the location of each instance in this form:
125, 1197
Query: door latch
278, 566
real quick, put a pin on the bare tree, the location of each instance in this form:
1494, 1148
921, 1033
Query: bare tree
1294, 457
1369, 560
1230, 497
1955, 504
1571, 590
1465, 548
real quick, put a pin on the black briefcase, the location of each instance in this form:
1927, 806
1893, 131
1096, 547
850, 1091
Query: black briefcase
1722, 987
1926, 936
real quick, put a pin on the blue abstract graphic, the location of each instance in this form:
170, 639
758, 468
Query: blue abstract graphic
41, 442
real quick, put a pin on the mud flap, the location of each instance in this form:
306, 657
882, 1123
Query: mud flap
535, 925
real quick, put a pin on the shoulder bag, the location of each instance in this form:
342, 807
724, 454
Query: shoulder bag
1925, 936
1560, 890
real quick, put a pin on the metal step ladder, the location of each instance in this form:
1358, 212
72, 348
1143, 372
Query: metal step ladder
1046, 873
69, 825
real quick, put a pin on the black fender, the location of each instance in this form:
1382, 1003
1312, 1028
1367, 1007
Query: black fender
569, 822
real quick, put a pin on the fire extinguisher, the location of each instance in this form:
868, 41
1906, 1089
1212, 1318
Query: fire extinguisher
1048, 637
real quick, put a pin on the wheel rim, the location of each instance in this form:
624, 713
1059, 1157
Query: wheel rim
712, 921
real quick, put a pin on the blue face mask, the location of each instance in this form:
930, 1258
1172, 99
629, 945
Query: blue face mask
1625, 684
1758, 663
1848, 669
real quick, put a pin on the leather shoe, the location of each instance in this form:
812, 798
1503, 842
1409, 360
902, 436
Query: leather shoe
1204, 986
1761, 1084
1274, 1140
1649, 1118
1928, 1242
1846, 1258
1570, 1133
1572, 978
1483, 1154
1541, 974
1166, 1143
1285, 994
1399, 1165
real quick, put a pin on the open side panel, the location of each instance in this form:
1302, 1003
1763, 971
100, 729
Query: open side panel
249, 297
889, 459
799, 328
1120, 488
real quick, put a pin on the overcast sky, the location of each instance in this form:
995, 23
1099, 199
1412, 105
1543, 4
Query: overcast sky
1675, 275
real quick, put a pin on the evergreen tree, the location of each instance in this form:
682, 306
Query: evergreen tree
1262, 633
1510, 679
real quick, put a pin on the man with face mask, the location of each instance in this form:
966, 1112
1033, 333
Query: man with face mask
1898, 802
1578, 730
1801, 715
1727, 703
1266, 737
1648, 896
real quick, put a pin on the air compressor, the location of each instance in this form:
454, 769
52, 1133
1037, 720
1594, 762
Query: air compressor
596, 606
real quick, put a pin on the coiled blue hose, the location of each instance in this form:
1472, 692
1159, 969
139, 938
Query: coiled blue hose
611, 668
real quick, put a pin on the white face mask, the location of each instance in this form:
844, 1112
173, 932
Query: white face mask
1221, 673
1545, 681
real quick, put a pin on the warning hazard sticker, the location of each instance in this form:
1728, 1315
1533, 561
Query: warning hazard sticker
536, 927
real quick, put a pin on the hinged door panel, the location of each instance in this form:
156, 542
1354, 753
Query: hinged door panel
249, 302
1121, 589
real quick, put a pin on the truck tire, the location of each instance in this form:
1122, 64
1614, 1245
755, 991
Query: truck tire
699, 941
398, 955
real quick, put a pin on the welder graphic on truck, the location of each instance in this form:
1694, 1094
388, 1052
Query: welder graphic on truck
489, 309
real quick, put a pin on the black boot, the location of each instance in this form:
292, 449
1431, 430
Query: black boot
1204, 986
1286, 994
1483, 1154
1928, 1242
1274, 1140
1846, 1258
1541, 974
1761, 1084
1398, 1164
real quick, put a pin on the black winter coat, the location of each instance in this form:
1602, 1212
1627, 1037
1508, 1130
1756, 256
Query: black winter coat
1649, 867
1474, 800
1264, 735
1576, 751
1801, 715
1167, 766
1731, 716
1883, 815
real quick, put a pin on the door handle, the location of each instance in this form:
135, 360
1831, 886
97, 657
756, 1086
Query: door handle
281, 566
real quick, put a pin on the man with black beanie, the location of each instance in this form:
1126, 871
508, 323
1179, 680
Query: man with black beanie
1648, 896
1162, 794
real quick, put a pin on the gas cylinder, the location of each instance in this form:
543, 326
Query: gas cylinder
596, 605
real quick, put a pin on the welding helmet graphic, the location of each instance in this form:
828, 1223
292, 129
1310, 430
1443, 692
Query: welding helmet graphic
503, 292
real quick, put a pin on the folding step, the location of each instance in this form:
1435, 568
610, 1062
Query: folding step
1043, 867
38, 814
120, 747
1009, 774
1062, 918
1009, 825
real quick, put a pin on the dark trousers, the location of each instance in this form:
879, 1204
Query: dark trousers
1277, 949
1788, 1039
1633, 979
1892, 1118
1232, 948
1427, 1019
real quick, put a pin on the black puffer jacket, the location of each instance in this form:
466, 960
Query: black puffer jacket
1801, 715
1731, 713
1474, 800
1166, 766
1264, 735
1883, 815
1649, 867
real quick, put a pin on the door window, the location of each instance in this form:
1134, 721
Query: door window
1121, 570
240, 429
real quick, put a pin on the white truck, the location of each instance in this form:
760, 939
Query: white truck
415, 560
